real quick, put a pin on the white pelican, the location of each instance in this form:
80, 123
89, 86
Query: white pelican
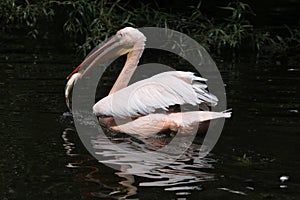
140, 100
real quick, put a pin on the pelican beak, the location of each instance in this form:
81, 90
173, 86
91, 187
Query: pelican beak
69, 87
112, 49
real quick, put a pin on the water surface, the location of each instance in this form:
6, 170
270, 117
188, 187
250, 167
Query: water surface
42, 156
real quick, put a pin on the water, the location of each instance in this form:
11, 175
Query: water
42, 156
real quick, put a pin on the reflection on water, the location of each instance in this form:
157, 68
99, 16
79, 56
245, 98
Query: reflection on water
181, 176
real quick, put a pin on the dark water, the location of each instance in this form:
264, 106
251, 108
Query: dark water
42, 156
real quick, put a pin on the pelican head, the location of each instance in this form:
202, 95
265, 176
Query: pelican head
125, 41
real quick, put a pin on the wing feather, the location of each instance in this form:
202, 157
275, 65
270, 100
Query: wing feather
158, 92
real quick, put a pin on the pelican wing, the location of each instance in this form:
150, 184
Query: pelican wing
158, 92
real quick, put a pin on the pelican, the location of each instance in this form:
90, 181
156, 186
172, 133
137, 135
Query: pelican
140, 100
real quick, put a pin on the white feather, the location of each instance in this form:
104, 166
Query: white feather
158, 92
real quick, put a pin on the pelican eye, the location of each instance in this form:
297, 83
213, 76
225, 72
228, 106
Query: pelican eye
120, 35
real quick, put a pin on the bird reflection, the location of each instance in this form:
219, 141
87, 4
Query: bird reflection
180, 175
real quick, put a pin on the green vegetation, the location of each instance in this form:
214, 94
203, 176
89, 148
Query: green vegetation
88, 23
291, 42
24, 12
